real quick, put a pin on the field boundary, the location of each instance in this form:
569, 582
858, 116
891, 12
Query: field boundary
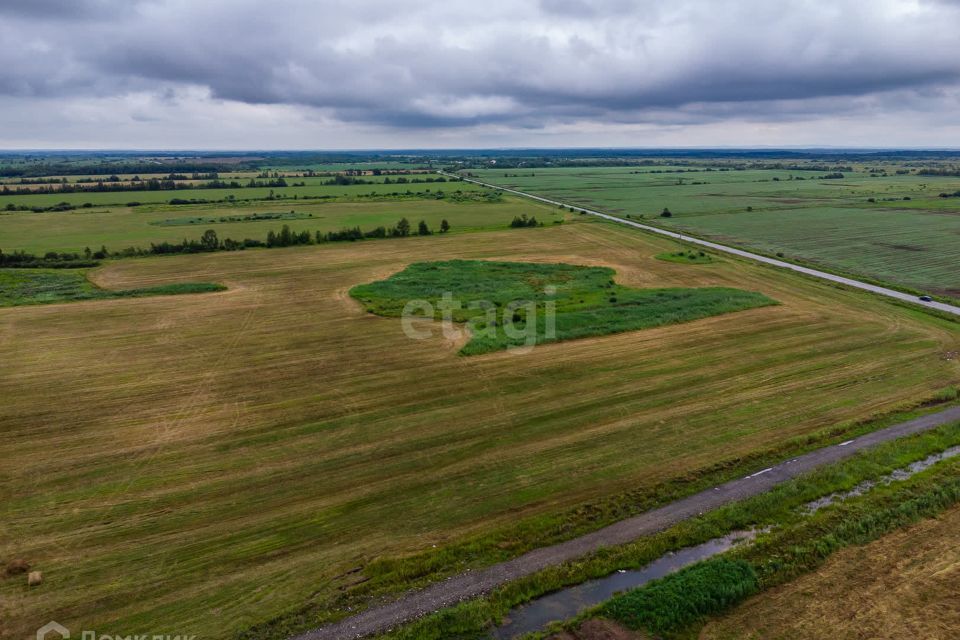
474, 583
816, 273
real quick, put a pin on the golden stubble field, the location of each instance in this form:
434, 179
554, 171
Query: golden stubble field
198, 464
903, 585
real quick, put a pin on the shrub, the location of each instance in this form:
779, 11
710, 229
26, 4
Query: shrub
684, 597
523, 221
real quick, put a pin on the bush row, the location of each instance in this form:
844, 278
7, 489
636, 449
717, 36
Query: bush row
685, 597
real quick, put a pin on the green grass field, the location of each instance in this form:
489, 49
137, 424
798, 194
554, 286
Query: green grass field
202, 464
911, 243
514, 304
913, 248
120, 227
316, 190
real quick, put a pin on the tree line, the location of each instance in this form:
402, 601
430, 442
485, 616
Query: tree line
287, 237
210, 241
939, 172
100, 169
457, 196
153, 184
50, 260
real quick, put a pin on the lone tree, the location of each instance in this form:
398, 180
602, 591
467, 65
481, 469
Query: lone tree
444, 226
209, 240
286, 236
423, 229
666, 213
403, 228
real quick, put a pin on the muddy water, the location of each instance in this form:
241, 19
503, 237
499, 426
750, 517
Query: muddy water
567, 603
895, 476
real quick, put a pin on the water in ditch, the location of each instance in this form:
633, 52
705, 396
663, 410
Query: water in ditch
895, 476
568, 602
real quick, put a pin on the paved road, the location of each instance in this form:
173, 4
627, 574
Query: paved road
891, 293
473, 583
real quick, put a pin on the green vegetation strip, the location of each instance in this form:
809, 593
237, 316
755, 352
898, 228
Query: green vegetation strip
253, 217
511, 304
685, 597
691, 256
44, 286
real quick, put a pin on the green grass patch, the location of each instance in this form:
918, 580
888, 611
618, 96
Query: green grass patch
253, 217
120, 227
513, 304
685, 597
691, 256
45, 286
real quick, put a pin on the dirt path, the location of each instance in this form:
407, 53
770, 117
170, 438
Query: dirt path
473, 583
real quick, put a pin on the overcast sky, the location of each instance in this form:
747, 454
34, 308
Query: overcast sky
326, 74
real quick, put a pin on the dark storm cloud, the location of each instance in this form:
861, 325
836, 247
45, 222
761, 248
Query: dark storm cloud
457, 64
79, 10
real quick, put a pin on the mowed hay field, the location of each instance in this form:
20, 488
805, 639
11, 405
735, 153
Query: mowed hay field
903, 585
907, 236
200, 464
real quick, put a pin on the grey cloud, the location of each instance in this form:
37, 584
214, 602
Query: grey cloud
68, 10
457, 64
